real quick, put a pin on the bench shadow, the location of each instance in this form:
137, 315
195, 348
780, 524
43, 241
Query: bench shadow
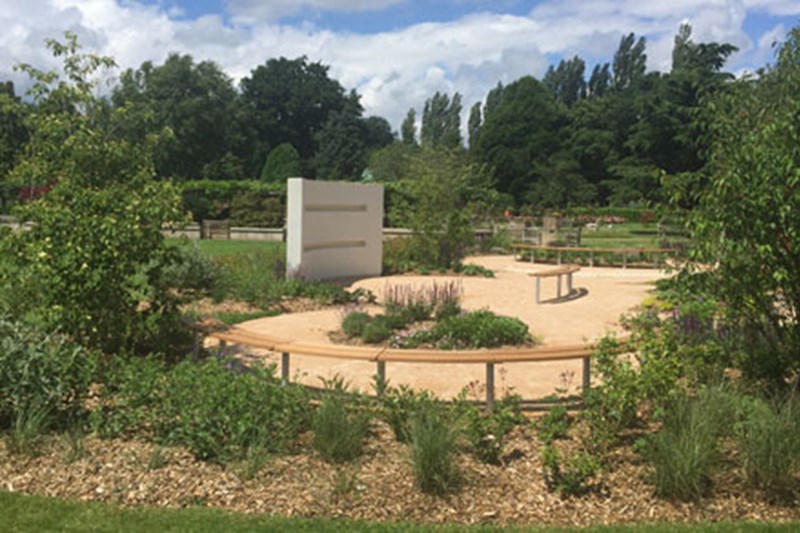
576, 294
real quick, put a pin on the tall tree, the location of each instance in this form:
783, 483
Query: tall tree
474, 124
290, 100
567, 82
441, 121
13, 133
599, 81
408, 130
194, 100
630, 62
519, 134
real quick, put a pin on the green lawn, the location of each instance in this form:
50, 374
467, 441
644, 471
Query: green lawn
217, 248
35, 514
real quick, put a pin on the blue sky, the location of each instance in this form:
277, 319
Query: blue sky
395, 53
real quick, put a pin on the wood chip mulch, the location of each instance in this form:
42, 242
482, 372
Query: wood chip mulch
379, 486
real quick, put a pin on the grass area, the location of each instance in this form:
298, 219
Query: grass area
220, 248
628, 235
24, 513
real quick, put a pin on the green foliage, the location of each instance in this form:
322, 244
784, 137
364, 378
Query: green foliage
479, 329
354, 322
684, 453
236, 411
422, 303
340, 428
476, 271
376, 330
569, 475
768, 437
486, 431
398, 406
31, 420
41, 374
212, 199
441, 199
194, 272
282, 163
441, 122
553, 425
92, 263
255, 208
749, 214
433, 451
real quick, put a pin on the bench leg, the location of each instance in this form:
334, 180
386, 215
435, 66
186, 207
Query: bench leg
489, 385
558, 293
569, 283
222, 347
538, 288
591, 259
380, 378
284, 368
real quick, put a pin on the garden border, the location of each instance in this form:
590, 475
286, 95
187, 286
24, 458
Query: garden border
591, 251
382, 355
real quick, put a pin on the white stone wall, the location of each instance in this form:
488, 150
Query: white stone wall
333, 229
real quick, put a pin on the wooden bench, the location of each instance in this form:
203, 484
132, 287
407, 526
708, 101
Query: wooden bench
381, 355
563, 270
623, 252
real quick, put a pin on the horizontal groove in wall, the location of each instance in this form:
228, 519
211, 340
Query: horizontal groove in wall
336, 208
334, 244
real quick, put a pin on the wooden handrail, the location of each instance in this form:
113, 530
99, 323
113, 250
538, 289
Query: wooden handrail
382, 355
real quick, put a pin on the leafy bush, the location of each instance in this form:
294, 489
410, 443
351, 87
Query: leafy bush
768, 438
487, 431
236, 411
257, 208
377, 330
479, 329
684, 452
568, 475
339, 429
354, 322
553, 425
398, 406
433, 451
41, 373
194, 271
476, 270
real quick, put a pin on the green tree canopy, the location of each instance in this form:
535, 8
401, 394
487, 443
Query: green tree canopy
92, 263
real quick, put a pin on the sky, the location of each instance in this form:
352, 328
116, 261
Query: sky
394, 53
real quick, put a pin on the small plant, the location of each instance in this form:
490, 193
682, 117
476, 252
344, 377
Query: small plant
568, 475
769, 440
255, 459
354, 323
30, 422
479, 329
74, 444
398, 406
157, 458
423, 303
433, 451
476, 270
339, 430
684, 453
553, 425
377, 330
345, 483
487, 431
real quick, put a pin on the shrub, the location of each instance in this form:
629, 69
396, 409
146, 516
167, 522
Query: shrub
422, 303
487, 431
476, 270
769, 441
553, 425
684, 452
41, 373
339, 430
568, 475
398, 406
193, 271
479, 329
354, 322
377, 330
235, 412
433, 451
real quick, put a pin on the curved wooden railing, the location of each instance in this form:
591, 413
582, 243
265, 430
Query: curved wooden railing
624, 252
381, 355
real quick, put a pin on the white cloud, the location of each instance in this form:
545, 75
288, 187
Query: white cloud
393, 70
253, 11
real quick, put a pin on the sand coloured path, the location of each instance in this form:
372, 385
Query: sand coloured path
604, 295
